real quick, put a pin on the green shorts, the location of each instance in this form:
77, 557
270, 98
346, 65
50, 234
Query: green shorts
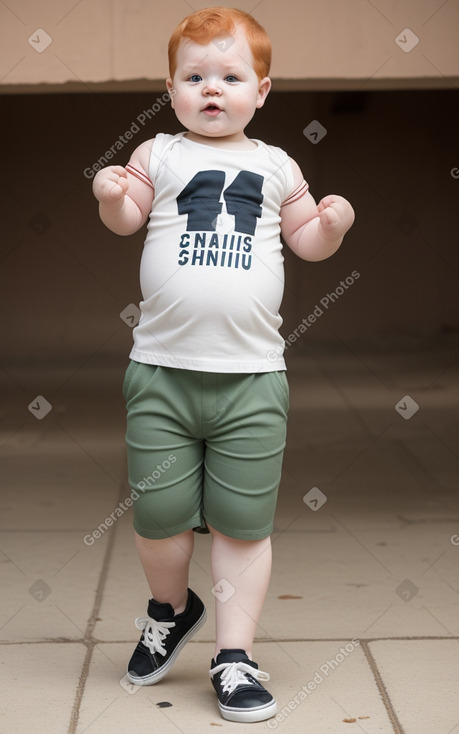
204, 447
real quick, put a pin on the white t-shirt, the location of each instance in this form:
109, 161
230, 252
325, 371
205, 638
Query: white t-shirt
211, 273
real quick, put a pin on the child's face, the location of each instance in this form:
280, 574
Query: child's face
216, 89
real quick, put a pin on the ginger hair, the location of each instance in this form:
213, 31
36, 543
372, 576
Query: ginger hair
206, 24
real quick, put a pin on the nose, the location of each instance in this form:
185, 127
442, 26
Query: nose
212, 89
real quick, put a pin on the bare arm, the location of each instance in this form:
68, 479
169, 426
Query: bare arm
124, 198
315, 232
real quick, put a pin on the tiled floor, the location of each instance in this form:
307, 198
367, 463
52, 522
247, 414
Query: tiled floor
361, 626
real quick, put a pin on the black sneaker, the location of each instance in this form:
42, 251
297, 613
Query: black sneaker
240, 696
164, 635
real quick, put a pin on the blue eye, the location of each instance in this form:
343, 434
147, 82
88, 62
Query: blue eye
195, 78
231, 78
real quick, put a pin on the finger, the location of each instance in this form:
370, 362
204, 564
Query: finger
119, 170
325, 202
123, 182
329, 217
116, 192
115, 186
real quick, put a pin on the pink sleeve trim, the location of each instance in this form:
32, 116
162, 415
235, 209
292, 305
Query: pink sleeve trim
300, 191
138, 174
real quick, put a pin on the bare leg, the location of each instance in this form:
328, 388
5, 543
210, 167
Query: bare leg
166, 564
246, 565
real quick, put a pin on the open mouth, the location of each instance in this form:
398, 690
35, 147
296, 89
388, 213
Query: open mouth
212, 110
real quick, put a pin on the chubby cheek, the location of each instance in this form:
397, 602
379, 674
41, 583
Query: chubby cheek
183, 104
242, 106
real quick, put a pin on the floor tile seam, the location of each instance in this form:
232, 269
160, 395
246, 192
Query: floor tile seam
393, 718
75, 712
275, 640
88, 639
394, 638
43, 530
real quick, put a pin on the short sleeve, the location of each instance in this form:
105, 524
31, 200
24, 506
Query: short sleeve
159, 149
283, 169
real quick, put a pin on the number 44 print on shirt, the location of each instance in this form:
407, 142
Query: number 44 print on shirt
200, 200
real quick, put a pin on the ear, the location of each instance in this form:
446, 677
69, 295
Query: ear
171, 90
263, 91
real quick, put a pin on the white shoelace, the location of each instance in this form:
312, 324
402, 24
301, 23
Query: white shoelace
154, 633
236, 673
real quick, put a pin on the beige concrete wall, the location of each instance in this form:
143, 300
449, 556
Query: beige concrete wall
121, 44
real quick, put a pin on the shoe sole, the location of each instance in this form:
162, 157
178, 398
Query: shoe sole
148, 680
261, 713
